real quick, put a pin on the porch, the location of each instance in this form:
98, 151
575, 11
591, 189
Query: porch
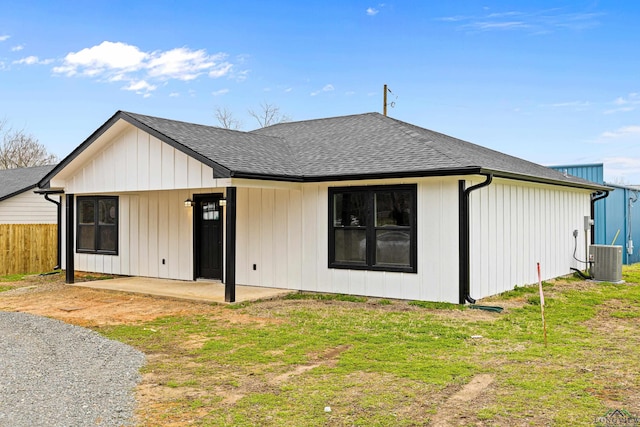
203, 291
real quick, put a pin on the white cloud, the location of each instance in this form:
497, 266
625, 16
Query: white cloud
4, 38
104, 58
289, 89
220, 92
371, 11
117, 61
29, 60
140, 87
619, 110
535, 22
185, 64
624, 104
623, 132
32, 60
174, 95
17, 48
326, 88
571, 104
622, 168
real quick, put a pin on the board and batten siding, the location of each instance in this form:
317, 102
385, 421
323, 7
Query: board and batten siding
152, 227
284, 232
28, 208
437, 246
269, 237
514, 225
134, 160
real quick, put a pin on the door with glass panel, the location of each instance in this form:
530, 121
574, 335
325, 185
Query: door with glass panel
208, 236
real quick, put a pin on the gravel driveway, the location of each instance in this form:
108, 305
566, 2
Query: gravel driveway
56, 374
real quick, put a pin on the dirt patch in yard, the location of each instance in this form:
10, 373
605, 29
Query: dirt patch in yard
49, 296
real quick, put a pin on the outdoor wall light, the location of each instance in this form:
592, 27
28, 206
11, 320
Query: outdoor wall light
223, 202
188, 203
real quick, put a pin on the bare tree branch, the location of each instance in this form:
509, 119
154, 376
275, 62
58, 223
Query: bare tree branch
269, 115
21, 150
226, 120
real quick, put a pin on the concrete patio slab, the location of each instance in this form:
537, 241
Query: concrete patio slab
203, 291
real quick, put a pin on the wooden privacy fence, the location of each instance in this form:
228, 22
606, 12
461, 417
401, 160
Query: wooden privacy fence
27, 248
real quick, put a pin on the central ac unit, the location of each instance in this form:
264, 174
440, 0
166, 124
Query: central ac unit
606, 263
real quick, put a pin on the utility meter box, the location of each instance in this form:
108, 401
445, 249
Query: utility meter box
606, 263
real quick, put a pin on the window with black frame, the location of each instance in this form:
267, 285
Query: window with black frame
97, 225
373, 228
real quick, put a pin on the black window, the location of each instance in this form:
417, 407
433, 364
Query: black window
373, 228
97, 225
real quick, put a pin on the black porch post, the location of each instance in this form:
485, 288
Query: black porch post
230, 265
70, 239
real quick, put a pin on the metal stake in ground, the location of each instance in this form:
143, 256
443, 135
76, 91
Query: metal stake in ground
544, 323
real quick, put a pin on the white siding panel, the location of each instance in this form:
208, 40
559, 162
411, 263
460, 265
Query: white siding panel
143, 161
163, 234
310, 241
106, 170
207, 176
134, 235
281, 249
194, 173
268, 253
320, 237
269, 236
255, 246
152, 240
181, 170
243, 265
294, 242
155, 163
532, 223
28, 208
168, 167
120, 164
174, 227
130, 141
143, 236
133, 160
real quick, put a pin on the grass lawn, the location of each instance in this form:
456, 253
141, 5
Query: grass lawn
315, 360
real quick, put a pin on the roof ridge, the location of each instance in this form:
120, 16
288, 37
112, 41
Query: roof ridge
416, 135
314, 120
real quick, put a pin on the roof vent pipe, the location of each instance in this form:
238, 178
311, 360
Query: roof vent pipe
464, 259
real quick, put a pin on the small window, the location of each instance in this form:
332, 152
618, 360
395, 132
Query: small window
97, 225
373, 228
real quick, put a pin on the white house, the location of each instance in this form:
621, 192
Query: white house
362, 204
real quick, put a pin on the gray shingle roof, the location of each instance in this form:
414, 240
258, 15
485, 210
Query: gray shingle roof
370, 144
16, 181
235, 150
348, 147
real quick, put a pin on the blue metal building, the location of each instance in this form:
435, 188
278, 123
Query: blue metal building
616, 218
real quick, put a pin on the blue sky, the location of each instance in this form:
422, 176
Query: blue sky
554, 82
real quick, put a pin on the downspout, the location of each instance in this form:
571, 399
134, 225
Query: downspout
464, 258
59, 231
599, 195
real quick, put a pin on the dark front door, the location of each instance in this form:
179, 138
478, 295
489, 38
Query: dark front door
208, 238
